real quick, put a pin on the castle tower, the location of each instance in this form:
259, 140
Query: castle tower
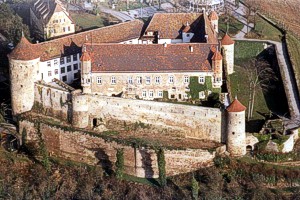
228, 53
86, 68
236, 133
186, 33
23, 69
217, 65
80, 117
214, 20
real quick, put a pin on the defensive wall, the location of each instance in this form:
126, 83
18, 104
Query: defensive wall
99, 149
184, 120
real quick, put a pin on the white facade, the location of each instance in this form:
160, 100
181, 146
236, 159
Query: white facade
228, 55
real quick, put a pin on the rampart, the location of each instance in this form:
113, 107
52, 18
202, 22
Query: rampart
99, 149
184, 120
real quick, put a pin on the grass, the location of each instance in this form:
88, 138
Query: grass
234, 25
86, 21
146, 181
244, 50
293, 45
264, 30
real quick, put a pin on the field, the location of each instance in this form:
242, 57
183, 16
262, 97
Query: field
86, 21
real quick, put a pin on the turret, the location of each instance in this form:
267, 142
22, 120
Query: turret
23, 69
217, 65
236, 133
228, 53
86, 68
80, 117
186, 33
214, 20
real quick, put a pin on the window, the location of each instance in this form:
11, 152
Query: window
62, 61
64, 78
69, 29
130, 81
157, 80
75, 57
219, 79
48, 64
49, 73
144, 93
185, 96
148, 80
201, 95
64, 29
56, 71
99, 80
186, 79
68, 59
55, 62
75, 66
172, 96
62, 70
201, 79
113, 80
160, 93
187, 35
69, 68
151, 93
139, 80
171, 79
76, 75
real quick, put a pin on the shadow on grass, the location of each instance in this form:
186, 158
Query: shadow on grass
254, 126
146, 181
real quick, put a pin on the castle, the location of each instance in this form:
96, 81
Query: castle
125, 60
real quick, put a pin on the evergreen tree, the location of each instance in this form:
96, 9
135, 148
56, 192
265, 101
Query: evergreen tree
161, 167
195, 188
120, 163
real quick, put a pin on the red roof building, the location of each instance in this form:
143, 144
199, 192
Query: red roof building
226, 40
236, 106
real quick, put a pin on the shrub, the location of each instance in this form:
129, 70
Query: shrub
161, 167
120, 163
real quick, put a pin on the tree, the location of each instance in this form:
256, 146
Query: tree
120, 163
259, 74
3, 108
161, 167
195, 188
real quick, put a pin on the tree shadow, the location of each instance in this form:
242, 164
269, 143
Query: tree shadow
103, 160
147, 166
254, 126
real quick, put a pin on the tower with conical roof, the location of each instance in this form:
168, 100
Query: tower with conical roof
23, 69
236, 131
214, 20
217, 65
228, 53
86, 77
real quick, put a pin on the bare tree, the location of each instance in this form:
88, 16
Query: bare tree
260, 75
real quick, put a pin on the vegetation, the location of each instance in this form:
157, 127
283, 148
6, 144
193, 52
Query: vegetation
120, 163
196, 87
161, 167
195, 188
234, 26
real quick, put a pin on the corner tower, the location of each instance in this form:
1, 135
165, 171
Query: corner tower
23, 69
86, 68
228, 53
214, 20
236, 131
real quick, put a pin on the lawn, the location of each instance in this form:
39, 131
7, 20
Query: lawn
264, 30
86, 21
293, 44
234, 25
271, 99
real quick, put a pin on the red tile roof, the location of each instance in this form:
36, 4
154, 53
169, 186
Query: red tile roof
171, 25
226, 40
217, 56
213, 16
24, 51
150, 58
236, 106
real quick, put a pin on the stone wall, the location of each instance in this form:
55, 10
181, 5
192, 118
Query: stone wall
185, 120
52, 100
96, 149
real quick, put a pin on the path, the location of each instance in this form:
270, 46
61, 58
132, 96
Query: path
285, 66
120, 15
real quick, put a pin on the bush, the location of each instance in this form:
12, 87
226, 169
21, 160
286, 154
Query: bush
161, 167
120, 163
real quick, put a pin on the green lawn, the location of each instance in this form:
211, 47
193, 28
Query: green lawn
293, 44
85, 21
246, 50
264, 30
234, 26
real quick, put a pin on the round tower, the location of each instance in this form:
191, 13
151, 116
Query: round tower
228, 53
214, 20
80, 117
236, 129
86, 69
23, 69
217, 65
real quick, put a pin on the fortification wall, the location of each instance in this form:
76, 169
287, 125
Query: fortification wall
100, 150
52, 101
184, 120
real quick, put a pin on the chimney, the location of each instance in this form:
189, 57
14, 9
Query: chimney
191, 49
37, 41
165, 44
